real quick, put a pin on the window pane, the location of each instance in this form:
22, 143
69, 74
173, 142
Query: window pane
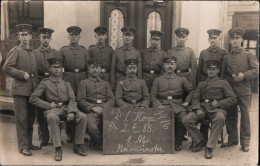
116, 22
245, 43
154, 22
252, 44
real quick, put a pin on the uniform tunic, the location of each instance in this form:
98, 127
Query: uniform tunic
186, 63
205, 93
58, 91
209, 54
152, 60
103, 52
118, 66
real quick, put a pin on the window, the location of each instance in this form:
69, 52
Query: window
154, 22
116, 22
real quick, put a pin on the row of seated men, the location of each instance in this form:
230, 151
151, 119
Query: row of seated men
166, 90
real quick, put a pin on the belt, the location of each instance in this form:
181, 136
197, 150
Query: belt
170, 97
74, 70
232, 75
121, 72
181, 71
98, 101
32, 75
46, 74
151, 71
207, 100
104, 70
62, 103
132, 101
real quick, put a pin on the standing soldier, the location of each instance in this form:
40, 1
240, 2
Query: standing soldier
186, 64
59, 104
167, 92
21, 65
93, 97
239, 67
211, 53
132, 92
152, 59
102, 51
42, 54
127, 51
211, 99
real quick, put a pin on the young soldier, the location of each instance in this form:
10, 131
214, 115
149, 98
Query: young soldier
211, 99
211, 53
21, 65
59, 104
152, 58
127, 51
239, 68
132, 92
167, 92
102, 51
42, 54
93, 97
186, 64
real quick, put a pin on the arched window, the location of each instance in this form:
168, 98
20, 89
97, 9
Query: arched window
154, 22
116, 22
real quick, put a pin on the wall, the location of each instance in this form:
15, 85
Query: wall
59, 15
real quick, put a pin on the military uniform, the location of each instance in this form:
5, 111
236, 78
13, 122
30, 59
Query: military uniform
168, 91
19, 61
240, 60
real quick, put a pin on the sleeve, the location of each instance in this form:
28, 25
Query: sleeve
154, 94
196, 98
189, 89
146, 96
10, 66
84, 106
223, 73
35, 97
119, 96
193, 74
254, 67
72, 106
230, 97
139, 65
110, 96
113, 71
200, 68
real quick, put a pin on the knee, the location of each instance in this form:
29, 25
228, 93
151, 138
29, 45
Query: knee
220, 117
185, 120
51, 117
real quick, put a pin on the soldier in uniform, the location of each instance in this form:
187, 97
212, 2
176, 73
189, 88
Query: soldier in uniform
211, 99
132, 92
42, 54
167, 92
75, 59
21, 65
93, 97
59, 104
102, 51
214, 52
186, 64
152, 59
127, 51
239, 67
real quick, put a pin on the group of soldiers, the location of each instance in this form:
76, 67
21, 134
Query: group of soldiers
76, 84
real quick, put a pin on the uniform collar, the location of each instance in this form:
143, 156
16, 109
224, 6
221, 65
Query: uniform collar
74, 46
166, 75
131, 78
24, 47
154, 49
213, 79
215, 49
238, 50
48, 49
100, 45
127, 47
95, 79
178, 48
55, 79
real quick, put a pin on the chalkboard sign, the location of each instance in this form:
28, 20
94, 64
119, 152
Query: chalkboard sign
135, 131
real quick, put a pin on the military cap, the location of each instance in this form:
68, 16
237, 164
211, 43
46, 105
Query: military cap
53, 61
169, 59
74, 29
236, 31
131, 62
24, 28
156, 33
182, 32
46, 31
128, 29
100, 29
213, 32
94, 61
213, 63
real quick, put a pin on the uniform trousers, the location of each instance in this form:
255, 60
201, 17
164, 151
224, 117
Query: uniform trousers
94, 128
41, 128
217, 122
24, 119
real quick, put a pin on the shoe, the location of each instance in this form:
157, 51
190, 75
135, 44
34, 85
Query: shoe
26, 152
208, 153
79, 150
199, 146
32, 147
245, 148
228, 144
45, 142
58, 154
185, 138
178, 147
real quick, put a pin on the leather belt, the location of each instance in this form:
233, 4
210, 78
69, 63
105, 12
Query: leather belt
32, 75
132, 101
46, 74
232, 75
170, 97
182, 71
151, 71
62, 103
74, 70
207, 100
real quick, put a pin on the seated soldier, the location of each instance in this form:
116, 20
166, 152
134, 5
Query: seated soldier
167, 92
132, 92
93, 96
59, 104
212, 97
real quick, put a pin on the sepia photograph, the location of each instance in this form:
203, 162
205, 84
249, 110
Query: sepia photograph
127, 82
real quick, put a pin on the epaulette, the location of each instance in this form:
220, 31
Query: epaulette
190, 48
14, 48
249, 51
91, 46
109, 46
63, 47
224, 50
83, 47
